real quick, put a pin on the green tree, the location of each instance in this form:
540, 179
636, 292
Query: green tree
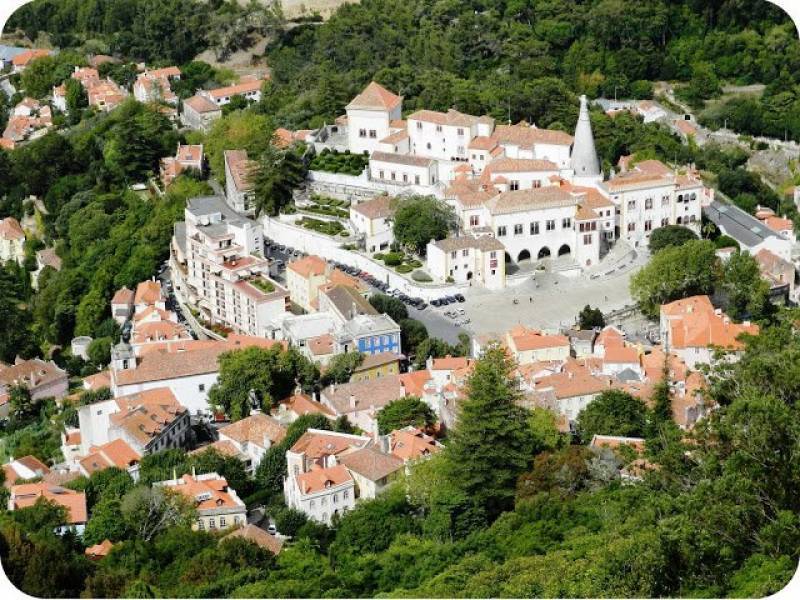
589, 318
412, 334
389, 305
403, 412
491, 444
420, 219
274, 176
99, 351
543, 425
670, 235
342, 367
745, 292
675, 273
105, 524
76, 97
612, 413
271, 374
149, 511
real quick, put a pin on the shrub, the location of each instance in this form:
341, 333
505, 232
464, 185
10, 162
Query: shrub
404, 268
421, 276
378, 256
414, 263
392, 259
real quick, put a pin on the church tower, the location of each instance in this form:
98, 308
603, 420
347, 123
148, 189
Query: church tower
584, 162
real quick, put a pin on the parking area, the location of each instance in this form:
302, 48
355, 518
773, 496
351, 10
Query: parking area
543, 299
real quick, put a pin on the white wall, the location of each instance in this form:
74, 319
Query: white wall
314, 243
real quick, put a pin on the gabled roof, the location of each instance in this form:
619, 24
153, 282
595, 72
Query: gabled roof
371, 463
26, 495
316, 480
258, 536
254, 429
375, 97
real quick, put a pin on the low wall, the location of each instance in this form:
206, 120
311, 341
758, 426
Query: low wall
312, 242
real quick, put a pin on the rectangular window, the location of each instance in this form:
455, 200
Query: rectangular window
405, 177
200, 525
393, 176
492, 254
501, 231
222, 521
550, 224
453, 254
362, 133
518, 229
631, 226
419, 124
438, 129
380, 175
373, 133
537, 183
201, 387
631, 204
648, 225
460, 131
514, 185
465, 252
648, 203
566, 223
587, 239
535, 228
473, 220
212, 523
664, 222
416, 179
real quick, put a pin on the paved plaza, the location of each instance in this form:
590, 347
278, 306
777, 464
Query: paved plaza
543, 300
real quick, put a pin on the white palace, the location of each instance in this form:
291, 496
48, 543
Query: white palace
536, 193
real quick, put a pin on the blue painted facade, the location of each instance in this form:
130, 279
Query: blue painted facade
374, 344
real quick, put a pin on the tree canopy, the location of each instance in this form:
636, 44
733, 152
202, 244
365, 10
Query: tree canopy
420, 219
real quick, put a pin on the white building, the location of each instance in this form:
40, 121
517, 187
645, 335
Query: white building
249, 88
12, 240
468, 258
225, 274
694, 330
250, 438
372, 220
369, 116
148, 421
153, 85
316, 483
402, 169
651, 195
217, 505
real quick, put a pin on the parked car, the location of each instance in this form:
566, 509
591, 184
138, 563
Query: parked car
436, 302
460, 297
452, 299
422, 306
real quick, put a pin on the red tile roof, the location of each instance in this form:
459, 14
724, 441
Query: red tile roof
26, 495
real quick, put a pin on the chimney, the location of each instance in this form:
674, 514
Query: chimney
194, 474
353, 401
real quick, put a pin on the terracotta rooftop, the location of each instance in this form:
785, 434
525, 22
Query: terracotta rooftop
201, 104
315, 443
410, 444
371, 463
318, 479
258, 536
308, 266
379, 207
301, 404
368, 394
254, 429
522, 134
26, 495
531, 199
239, 165
10, 229
375, 97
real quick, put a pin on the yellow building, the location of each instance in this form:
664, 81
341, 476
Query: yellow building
376, 366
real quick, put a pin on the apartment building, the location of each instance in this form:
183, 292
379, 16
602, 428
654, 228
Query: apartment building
226, 277
369, 116
238, 189
468, 258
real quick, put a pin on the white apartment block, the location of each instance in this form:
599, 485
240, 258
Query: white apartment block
226, 276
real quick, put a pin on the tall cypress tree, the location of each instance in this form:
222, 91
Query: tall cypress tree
491, 443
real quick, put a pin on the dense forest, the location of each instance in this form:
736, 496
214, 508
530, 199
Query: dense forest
513, 59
